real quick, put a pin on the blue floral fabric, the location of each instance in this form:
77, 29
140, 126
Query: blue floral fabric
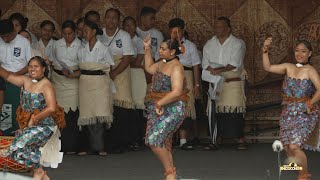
25, 147
296, 125
161, 128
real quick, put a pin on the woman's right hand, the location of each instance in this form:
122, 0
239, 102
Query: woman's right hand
147, 42
266, 44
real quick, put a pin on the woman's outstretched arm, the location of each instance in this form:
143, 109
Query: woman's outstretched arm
12, 78
267, 66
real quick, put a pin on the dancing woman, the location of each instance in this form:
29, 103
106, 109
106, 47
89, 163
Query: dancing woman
299, 122
38, 116
167, 101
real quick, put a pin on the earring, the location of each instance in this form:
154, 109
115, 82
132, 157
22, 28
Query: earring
171, 54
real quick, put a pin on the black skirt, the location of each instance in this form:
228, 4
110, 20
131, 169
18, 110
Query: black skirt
230, 125
70, 134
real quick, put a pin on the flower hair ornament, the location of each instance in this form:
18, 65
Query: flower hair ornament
175, 33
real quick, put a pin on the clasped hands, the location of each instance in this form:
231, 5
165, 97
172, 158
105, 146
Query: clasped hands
159, 109
33, 120
214, 71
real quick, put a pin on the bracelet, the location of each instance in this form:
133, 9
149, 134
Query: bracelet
146, 49
310, 105
157, 105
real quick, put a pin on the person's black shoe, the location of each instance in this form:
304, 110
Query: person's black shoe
242, 147
134, 147
118, 150
211, 147
186, 146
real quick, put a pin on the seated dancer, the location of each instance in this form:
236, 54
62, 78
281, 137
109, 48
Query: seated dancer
39, 117
299, 120
166, 102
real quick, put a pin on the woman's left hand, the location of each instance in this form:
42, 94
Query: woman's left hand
308, 110
32, 121
159, 111
147, 42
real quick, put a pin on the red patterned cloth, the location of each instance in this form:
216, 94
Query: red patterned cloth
7, 164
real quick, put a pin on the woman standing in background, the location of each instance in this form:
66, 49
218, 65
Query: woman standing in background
66, 83
95, 91
138, 85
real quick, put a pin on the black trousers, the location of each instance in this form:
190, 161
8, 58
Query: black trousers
230, 125
137, 130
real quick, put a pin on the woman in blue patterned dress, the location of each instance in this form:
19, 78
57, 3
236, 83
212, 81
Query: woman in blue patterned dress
299, 122
166, 103
38, 100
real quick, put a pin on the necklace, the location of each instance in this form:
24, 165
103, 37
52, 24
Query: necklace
301, 64
165, 60
37, 80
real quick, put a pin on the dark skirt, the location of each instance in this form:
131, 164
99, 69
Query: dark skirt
69, 135
118, 137
92, 137
230, 125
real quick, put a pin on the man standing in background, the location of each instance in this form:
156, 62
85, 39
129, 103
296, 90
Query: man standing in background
223, 56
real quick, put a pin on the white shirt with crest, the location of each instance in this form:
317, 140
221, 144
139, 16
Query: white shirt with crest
16, 54
156, 38
119, 43
191, 56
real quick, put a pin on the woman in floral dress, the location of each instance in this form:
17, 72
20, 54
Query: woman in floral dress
166, 102
37, 117
299, 121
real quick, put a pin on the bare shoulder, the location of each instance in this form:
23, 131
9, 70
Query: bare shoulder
310, 68
47, 86
177, 66
27, 81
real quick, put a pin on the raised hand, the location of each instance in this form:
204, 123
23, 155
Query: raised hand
266, 44
147, 42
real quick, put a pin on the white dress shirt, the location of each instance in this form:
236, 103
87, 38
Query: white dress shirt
46, 49
68, 55
137, 45
98, 54
231, 52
